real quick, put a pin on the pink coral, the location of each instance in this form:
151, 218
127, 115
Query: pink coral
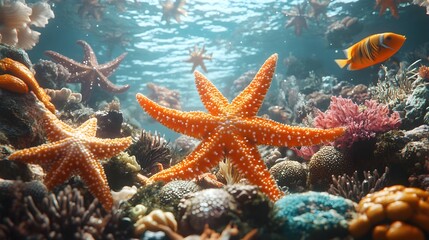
362, 122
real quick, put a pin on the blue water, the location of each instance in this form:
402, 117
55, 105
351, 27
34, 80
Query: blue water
241, 34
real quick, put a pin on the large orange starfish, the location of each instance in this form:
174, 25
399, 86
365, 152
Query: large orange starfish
74, 152
232, 130
89, 73
16, 77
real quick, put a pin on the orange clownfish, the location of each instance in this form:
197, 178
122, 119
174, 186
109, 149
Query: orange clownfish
371, 50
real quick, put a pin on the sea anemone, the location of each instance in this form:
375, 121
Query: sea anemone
150, 150
351, 187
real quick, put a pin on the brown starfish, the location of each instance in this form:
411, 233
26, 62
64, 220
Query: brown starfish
318, 8
89, 72
298, 19
172, 10
91, 8
197, 57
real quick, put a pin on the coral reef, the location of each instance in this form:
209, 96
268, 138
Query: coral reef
395, 212
313, 215
16, 20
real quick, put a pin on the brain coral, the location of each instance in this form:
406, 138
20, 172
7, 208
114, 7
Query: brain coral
314, 215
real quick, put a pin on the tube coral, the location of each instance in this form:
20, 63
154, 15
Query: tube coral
362, 122
16, 17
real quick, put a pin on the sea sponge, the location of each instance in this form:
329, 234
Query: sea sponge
313, 215
391, 213
16, 18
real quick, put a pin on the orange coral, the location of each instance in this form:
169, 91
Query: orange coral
393, 213
424, 72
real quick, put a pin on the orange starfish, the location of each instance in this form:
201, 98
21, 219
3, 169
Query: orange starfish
197, 57
74, 152
18, 78
232, 130
388, 4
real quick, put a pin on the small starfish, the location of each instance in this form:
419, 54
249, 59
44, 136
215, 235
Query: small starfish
388, 4
89, 72
298, 19
197, 57
74, 152
91, 8
18, 78
172, 10
232, 130
318, 7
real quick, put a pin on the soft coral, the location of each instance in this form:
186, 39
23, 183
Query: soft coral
362, 122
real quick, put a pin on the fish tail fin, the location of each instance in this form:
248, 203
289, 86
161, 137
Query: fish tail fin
341, 62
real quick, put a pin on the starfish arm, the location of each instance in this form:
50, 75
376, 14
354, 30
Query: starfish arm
60, 171
108, 68
211, 97
55, 129
109, 86
95, 178
194, 66
22, 72
104, 148
203, 66
42, 154
72, 66
205, 156
268, 132
248, 102
89, 57
194, 124
88, 128
246, 159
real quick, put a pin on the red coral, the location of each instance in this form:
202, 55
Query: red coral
362, 122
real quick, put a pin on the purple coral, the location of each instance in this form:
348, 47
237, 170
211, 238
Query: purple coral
362, 121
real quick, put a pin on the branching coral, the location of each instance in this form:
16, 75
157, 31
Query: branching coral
362, 122
16, 17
